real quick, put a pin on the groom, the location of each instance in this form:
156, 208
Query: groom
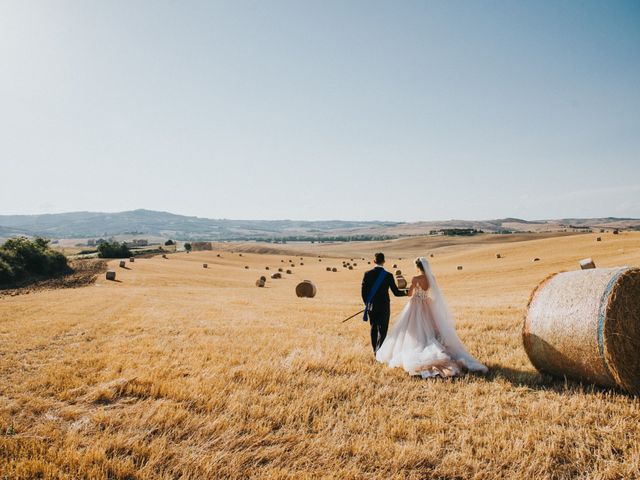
375, 294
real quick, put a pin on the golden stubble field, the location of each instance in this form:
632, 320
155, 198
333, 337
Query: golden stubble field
176, 371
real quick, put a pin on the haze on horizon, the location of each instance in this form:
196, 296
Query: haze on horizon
321, 110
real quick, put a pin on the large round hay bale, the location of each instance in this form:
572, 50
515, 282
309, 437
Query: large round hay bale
395, 266
598, 239
432, 255
355, 264
263, 278
401, 282
459, 267
260, 282
334, 269
132, 259
398, 273
280, 270
301, 264
616, 232
350, 267
204, 265
111, 275
289, 272
498, 255
306, 289
246, 267
328, 269
122, 263
276, 276
585, 325
164, 255
587, 263
535, 259
266, 268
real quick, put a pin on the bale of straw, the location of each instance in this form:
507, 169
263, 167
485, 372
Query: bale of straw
585, 325
398, 273
204, 265
262, 277
587, 263
289, 272
459, 267
616, 232
164, 255
240, 254
246, 267
401, 282
122, 263
132, 259
276, 275
350, 267
395, 266
334, 269
432, 255
260, 282
355, 264
266, 268
280, 270
328, 269
535, 259
111, 275
599, 239
301, 264
218, 255
306, 289
498, 255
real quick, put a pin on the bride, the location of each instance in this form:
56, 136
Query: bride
424, 340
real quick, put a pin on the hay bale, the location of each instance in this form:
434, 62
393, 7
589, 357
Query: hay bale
535, 259
328, 269
432, 255
334, 269
111, 275
398, 273
350, 267
459, 267
306, 289
266, 268
301, 264
319, 259
584, 325
395, 266
246, 267
164, 255
599, 239
587, 263
240, 254
204, 265
401, 282
616, 231
122, 263
355, 264
498, 255
280, 270
260, 282
276, 275
289, 272
262, 277
132, 259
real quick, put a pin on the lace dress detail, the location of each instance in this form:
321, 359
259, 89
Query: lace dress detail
419, 293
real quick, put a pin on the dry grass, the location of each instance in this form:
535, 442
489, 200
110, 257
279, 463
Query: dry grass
183, 372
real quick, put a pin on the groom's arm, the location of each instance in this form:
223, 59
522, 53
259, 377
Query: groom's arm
364, 289
394, 288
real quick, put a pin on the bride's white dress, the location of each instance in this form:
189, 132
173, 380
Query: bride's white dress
423, 340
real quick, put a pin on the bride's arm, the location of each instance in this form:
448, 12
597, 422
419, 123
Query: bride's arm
412, 287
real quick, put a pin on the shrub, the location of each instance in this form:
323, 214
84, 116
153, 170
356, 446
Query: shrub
187, 247
21, 257
169, 242
113, 250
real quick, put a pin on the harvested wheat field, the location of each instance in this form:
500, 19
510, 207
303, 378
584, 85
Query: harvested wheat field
176, 371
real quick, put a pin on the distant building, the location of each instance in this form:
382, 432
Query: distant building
142, 242
201, 246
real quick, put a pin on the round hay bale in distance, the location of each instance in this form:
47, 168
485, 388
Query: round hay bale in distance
459, 267
395, 266
111, 275
350, 267
498, 255
276, 275
122, 263
535, 259
289, 272
328, 269
246, 267
132, 259
266, 268
587, 263
204, 265
334, 269
401, 282
280, 270
262, 277
398, 273
306, 289
598, 239
260, 282
584, 325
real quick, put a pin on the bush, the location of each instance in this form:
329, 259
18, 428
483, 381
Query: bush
187, 247
113, 250
21, 257
169, 242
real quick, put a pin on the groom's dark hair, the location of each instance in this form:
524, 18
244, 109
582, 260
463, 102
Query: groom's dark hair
379, 258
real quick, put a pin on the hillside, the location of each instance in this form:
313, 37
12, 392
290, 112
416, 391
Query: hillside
164, 224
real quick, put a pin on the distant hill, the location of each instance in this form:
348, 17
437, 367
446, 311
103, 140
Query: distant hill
163, 224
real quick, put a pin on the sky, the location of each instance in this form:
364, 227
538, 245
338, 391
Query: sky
312, 110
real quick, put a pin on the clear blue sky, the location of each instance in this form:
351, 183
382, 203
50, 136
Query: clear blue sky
412, 110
